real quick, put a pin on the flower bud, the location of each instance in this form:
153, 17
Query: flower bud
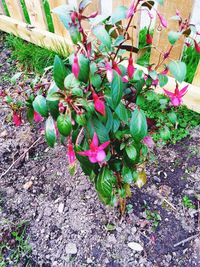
162, 21
149, 39
17, 120
75, 67
99, 104
197, 46
130, 68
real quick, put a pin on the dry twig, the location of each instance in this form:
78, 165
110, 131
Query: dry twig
186, 240
20, 157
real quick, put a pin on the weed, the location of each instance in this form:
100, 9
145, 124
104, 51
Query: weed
154, 217
13, 244
187, 202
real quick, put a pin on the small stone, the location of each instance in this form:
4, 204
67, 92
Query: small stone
28, 185
47, 211
61, 207
71, 248
89, 261
135, 246
134, 230
112, 239
3, 134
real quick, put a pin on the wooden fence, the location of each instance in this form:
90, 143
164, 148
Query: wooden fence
37, 31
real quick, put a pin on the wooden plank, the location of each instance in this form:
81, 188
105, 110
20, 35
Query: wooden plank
134, 32
58, 26
160, 38
191, 99
1, 8
196, 80
15, 9
35, 35
36, 13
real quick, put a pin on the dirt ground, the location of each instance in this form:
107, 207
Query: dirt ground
67, 224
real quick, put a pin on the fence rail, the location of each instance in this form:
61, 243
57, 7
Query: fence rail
13, 20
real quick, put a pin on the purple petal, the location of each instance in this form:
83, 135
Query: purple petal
86, 153
101, 155
93, 159
168, 93
183, 91
176, 101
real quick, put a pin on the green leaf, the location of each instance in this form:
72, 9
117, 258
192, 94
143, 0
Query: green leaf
102, 35
50, 132
122, 113
96, 81
165, 133
75, 34
138, 125
104, 182
116, 89
59, 72
64, 125
127, 175
163, 80
71, 82
119, 40
63, 13
84, 65
138, 75
178, 69
172, 117
40, 105
30, 114
131, 152
109, 122
53, 108
102, 132
119, 14
173, 37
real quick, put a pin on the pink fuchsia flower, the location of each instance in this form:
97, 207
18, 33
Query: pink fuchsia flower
176, 97
17, 120
96, 153
163, 21
109, 72
37, 117
197, 46
99, 104
130, 68
131, 10
75, 67
148, 141
116, 68
149, 38
71, 153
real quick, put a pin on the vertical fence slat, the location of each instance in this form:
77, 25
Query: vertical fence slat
160, 38
1, 8
58, 26
36, 13
196, 80
15, 10
134, 33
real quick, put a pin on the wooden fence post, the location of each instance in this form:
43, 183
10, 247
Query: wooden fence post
160, 38
135, 32
36, 14
196, 80
15, 9
58, 26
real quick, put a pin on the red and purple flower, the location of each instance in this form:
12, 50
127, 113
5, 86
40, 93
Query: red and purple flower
96, 153
176, 97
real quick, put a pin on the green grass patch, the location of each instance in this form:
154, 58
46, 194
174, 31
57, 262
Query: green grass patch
30, 56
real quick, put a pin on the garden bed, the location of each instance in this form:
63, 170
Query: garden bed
66, 223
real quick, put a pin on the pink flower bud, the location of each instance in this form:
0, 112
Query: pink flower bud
116, 68
130, 68
148, 141
61, 107
163, 21
75, 67
37, 117
99, 104
131, 10
71, 153
149, 39
109, 72
17, 120
197, 46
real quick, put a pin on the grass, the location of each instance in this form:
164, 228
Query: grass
190, 56
30, 56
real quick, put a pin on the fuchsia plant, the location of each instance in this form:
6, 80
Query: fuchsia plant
93, 106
